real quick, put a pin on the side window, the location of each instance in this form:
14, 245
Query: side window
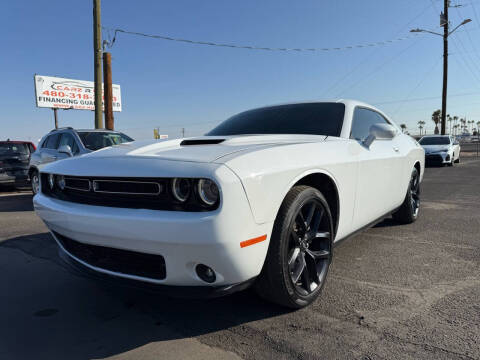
31, 148
67, 139
51, 142
363, 119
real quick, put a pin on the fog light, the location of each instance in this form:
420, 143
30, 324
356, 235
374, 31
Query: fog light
205, 273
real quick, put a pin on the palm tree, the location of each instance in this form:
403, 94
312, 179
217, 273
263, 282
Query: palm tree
449, 119
478, 127
436, 116
463, 126
420, 125
455, 127
403, 127
471, 122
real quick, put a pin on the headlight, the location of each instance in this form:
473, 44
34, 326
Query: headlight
181, 189
208, 191
51, 180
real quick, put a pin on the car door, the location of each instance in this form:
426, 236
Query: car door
49, 149
379, 168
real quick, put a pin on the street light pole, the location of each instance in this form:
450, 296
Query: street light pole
445, 35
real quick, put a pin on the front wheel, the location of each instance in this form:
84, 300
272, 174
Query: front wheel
300, 250
35, 182
408, 211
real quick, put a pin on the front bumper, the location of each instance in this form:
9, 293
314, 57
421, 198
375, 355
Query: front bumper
14, 177
6, 179
438, 158
183, 239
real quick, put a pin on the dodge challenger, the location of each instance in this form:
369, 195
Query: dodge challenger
261, 200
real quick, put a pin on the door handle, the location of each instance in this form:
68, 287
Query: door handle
395, 148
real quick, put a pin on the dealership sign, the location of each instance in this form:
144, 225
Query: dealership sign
54, 92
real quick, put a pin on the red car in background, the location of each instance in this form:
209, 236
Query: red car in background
14, 160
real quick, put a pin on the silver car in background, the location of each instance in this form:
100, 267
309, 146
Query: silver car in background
62, 143
441, 149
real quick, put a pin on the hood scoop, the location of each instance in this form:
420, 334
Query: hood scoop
201, 142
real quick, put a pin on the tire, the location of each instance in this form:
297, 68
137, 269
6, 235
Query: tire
452, 161
408, 211
35, 181
300, 248
458, 160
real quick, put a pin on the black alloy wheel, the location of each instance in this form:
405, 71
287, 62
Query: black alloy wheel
300, 250
407, 213
415, 193
309, 247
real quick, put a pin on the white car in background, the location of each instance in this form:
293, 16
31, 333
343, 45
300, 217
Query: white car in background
441, 149
260, 200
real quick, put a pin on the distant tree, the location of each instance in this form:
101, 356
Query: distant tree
420, 125
436, 117
449, 119
403, 127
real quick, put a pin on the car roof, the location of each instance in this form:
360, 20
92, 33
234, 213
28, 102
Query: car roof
15, 142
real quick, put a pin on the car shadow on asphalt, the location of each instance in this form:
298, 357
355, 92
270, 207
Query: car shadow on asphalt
11, 203
109, 319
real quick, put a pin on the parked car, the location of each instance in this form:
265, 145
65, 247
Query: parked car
441, 149
67, 142
14, 159
260, 200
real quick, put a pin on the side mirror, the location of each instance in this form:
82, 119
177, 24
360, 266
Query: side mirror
65, 149
380, 132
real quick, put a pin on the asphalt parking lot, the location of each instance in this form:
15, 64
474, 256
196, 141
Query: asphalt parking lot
394, 292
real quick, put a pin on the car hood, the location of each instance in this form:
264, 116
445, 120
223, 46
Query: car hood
435, 148
204, 149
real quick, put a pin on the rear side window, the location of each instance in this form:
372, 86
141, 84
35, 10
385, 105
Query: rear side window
51, 142
67, 139
363, 119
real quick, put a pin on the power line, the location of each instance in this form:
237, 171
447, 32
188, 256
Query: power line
426, 75
425, 98
378, 68
249, 47
370, 55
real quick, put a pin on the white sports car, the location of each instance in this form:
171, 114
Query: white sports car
261, 200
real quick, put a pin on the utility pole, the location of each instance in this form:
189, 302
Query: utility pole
108, 91
446, 33
446, 4
97, 63
55, 117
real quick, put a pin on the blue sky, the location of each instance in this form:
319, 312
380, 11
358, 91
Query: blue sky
173, 85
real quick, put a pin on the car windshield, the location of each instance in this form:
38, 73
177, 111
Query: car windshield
435, 140
7, 148
95, 140
308, 118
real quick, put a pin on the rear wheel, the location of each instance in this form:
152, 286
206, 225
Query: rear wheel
408, 211
300, 250
35, 182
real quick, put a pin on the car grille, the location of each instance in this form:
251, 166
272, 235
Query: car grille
433, 158
117, 260
131, 193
